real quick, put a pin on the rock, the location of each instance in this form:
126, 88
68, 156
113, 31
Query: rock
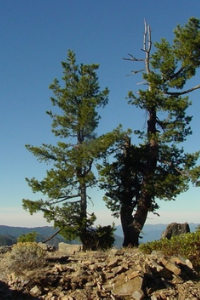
128, 288
171, 266
36, 291
155, 267
175, 229
46, 247
138, 295
69, 248
114, 262
120, 269
129, 275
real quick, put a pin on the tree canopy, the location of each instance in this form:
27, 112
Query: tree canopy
74, 121
157, 168
133, 175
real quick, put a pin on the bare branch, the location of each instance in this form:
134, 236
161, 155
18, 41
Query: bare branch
51, 237
144, 37
135, 72
149, 39
148, 55
184, 173
147, 45
133, 58
142, 82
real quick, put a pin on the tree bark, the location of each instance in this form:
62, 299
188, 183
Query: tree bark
133, 225
83, 216
127, 227
146, 196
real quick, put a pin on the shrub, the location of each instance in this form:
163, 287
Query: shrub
186, 245
101, 237
25, 256
29, 237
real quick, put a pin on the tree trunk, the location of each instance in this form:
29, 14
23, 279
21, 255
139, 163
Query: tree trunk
83, 216
127, 221
132, 225
146, 196
140, 216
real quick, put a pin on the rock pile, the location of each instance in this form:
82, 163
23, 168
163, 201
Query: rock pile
114, 275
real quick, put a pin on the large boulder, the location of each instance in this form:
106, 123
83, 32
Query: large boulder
69, 248
175, 229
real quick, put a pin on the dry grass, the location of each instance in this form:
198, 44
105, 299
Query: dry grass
24, 256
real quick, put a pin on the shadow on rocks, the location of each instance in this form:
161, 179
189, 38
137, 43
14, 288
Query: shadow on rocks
8, 294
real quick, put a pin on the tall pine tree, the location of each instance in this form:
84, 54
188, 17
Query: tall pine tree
157, 168
73, 123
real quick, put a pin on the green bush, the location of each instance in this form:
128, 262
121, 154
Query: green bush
186, 245
101, 237
26, 238
25, 256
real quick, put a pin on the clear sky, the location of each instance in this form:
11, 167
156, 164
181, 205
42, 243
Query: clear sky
34, 38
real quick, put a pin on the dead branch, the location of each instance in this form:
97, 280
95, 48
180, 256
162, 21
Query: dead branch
144, 36
142, 82
177, 169
135, 72
147, 45
51, 237
133, 58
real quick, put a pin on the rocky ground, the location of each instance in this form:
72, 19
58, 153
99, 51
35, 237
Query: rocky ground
115, 274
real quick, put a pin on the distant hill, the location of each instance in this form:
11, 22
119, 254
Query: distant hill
6, 240
152, 232
9, 234
43, 233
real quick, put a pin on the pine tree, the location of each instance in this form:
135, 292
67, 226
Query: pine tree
71, 159
157, 168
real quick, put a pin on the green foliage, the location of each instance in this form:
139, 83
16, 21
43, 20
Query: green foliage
158, 167
70, 161
178, 62
101, 237
186, 245
27, 238
25, 256
121, 179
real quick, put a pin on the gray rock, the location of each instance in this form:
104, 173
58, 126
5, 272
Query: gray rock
46, 247
138, 295
175, 229
69, 248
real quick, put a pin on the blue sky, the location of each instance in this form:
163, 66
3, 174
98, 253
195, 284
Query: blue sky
34, 38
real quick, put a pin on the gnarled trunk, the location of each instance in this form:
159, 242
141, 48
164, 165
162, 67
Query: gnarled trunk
127, 224
133, 225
